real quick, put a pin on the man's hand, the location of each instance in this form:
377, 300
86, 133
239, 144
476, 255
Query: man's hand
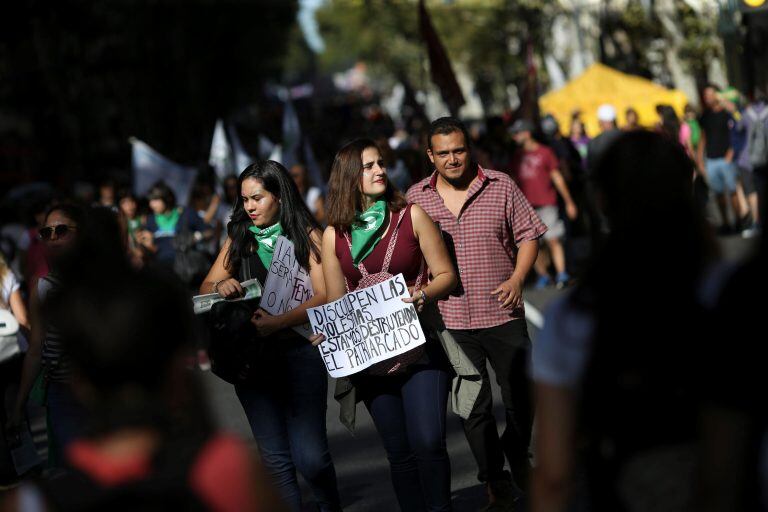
509, 293
571, 210
265, 323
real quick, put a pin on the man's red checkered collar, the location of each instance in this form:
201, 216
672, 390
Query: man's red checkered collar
432, 183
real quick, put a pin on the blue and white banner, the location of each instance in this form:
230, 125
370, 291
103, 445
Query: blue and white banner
241, 157
149, 167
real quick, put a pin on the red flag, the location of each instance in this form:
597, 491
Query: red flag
439, 64
529, 106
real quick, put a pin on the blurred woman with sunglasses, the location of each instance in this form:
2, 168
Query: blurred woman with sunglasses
45, 357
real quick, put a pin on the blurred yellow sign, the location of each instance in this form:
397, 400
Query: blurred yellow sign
600, 84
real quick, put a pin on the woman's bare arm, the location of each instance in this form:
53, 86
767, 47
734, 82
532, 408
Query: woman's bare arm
220, 278
431, 243
335, 286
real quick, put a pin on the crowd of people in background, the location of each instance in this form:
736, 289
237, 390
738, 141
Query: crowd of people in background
620, 409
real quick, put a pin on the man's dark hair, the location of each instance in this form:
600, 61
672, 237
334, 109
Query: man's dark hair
446, 125
711, 85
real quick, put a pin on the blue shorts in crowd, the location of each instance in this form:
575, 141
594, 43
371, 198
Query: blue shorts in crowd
722, 175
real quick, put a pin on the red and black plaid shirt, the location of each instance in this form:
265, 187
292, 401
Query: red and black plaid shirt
482, 241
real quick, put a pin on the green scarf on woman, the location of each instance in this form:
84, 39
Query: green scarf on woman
166, 222
367, 230
266, 238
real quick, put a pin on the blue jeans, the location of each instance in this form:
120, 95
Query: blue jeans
286, 411
409, 413
66, 420
722, 175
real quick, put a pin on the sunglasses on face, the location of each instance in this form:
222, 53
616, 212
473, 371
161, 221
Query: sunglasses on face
62, 230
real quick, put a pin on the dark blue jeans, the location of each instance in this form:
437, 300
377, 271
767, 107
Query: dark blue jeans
409, 413
66, 420
286, 411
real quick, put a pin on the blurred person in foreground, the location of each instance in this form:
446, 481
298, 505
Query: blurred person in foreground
734, 458
148, 443
617, 397
492, 233
536, 170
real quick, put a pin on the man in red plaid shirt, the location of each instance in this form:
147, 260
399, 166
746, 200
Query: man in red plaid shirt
492, 233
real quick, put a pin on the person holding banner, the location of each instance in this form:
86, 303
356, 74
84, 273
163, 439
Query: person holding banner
374, 233
493, 234
285, 401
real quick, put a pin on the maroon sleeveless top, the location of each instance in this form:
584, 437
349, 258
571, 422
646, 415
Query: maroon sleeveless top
406, 258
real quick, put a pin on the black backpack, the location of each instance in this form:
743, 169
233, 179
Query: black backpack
165, 488
190, 263
234, 345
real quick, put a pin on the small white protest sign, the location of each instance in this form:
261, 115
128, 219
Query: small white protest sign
366, 326
287, 285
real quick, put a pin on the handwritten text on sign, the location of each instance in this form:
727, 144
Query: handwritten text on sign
287, 285
366, 326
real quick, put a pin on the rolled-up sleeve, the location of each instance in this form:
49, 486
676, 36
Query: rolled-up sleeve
525, 225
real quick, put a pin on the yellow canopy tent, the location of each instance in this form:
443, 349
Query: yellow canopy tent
600, 84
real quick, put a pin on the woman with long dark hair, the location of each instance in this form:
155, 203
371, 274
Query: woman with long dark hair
373, 230
286, 400
618, 386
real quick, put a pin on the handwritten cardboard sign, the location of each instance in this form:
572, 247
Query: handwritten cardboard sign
287, 285
366, 326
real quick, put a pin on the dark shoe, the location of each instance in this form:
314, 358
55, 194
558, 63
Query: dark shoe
503, 495
725, 230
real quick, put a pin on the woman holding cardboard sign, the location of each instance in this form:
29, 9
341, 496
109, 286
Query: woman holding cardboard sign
374, 234
284, 393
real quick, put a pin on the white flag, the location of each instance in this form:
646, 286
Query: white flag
221, 153
242, 158
149, 166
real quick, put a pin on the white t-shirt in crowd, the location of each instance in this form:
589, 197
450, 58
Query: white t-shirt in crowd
9, 285
313, 194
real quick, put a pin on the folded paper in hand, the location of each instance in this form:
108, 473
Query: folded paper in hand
203, 303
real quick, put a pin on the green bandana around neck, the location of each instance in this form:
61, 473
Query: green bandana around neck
266, 238
166, 222
367, 230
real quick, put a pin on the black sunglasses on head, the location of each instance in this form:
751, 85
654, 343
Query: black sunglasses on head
61, 230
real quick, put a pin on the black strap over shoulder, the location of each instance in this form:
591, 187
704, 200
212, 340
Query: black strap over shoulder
252, 268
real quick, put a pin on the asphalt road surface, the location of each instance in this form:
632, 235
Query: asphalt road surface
360, 460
